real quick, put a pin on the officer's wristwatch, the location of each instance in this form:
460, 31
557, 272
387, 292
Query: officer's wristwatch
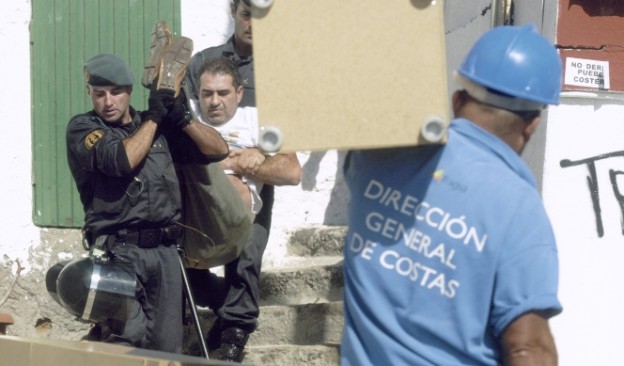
188, 117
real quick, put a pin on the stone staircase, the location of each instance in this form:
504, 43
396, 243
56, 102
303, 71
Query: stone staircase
301, 304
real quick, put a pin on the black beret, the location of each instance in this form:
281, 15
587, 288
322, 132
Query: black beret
106, 70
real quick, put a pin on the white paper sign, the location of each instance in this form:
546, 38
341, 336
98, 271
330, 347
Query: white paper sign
587, 73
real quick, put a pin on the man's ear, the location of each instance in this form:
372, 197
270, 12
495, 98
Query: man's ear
458, 101
232, 9
239, 94
532, 126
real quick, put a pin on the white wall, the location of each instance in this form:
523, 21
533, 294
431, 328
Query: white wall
207, 22
19, 235
589, 331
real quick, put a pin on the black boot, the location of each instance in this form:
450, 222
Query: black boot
95, 333
233, 342
213, 339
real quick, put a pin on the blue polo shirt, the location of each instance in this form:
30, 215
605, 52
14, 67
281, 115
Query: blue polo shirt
446, 246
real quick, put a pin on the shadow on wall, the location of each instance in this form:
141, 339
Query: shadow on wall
336, 211
597, 8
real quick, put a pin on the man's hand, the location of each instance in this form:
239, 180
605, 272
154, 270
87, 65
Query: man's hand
159, 103
244, 162
179, 116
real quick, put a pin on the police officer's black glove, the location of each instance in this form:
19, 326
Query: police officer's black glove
159, 103
179, 116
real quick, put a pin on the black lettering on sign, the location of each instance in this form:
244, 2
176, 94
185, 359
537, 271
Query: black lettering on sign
592, 185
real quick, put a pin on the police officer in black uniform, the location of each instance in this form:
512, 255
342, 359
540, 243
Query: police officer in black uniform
122, 163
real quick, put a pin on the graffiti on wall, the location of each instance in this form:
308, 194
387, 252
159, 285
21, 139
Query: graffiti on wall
592, 185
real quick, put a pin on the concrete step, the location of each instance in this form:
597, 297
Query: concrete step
301, 303
301, 314
317, 241
290, 355
303, 281
306, 324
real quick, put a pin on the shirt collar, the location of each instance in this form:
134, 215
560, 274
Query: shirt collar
488, 142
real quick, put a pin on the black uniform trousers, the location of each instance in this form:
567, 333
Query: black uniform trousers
234, 297
156, 318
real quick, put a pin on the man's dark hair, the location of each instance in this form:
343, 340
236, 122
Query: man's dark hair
222, 66
236, 2
527, 116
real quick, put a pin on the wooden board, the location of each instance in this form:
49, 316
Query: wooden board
16, 351
350, 73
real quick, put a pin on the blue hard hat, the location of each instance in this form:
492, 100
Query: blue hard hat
517, 62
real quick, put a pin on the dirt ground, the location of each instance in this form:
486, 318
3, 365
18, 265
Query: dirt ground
26, 299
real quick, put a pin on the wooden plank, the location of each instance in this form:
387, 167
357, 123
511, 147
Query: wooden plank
349, 74
17, 351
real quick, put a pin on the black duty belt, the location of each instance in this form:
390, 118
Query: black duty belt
149, 238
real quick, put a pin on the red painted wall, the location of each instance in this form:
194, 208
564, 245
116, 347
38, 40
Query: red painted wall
592, 31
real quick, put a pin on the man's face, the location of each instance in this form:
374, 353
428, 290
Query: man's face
218, 98
111, 103
242, 25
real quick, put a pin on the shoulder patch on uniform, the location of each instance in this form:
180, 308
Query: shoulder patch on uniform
92, 138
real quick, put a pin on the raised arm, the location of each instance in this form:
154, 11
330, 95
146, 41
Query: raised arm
138, 145
207, 139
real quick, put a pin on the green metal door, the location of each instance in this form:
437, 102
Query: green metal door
65, 33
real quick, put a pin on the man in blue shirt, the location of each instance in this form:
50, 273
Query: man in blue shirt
450, 258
